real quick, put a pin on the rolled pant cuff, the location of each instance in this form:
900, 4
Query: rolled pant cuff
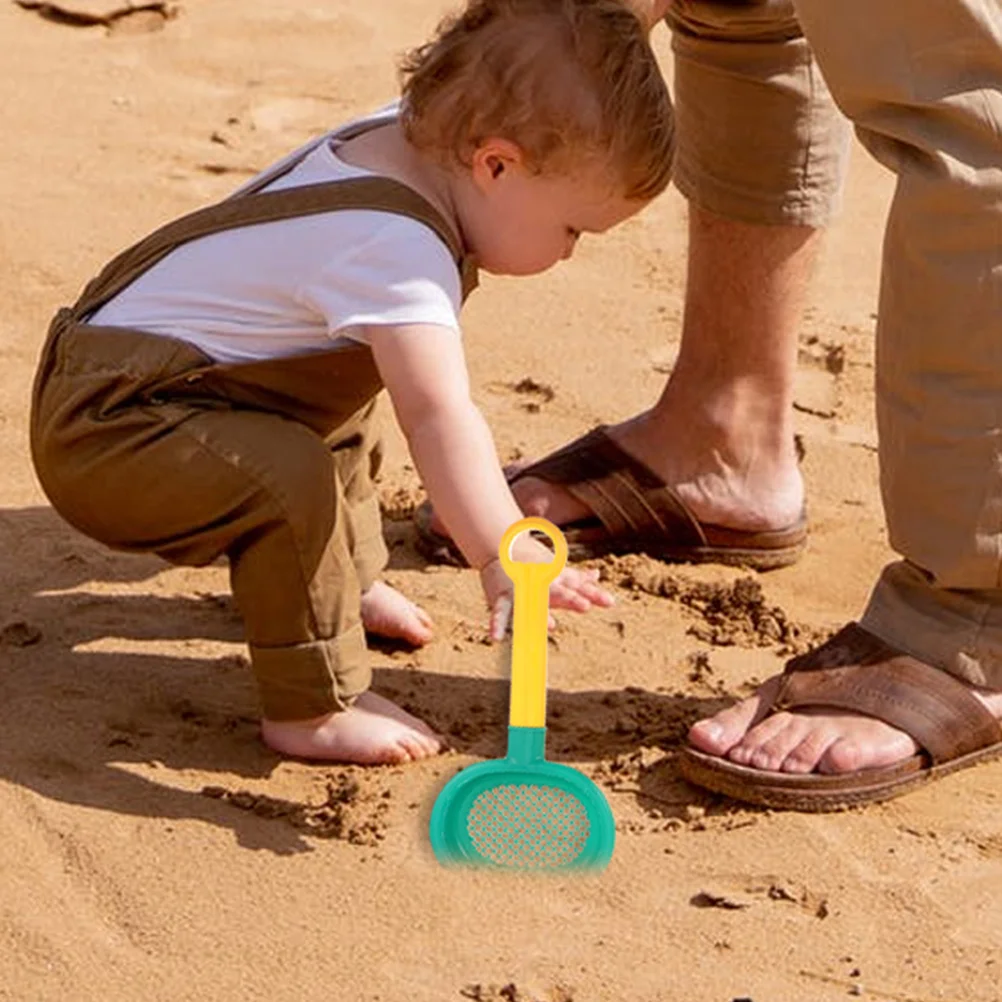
314, 678
759, 137
957, 631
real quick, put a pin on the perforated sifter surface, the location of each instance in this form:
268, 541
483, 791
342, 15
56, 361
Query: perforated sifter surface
528, 826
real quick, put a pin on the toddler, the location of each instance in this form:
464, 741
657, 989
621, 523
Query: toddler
212, 391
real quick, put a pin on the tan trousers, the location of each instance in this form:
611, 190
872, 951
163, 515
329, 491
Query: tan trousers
759, 137
196, 479
921, 80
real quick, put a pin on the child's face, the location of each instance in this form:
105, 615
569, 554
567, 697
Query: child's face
518, 222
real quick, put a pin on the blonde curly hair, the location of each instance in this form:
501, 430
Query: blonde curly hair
568, 81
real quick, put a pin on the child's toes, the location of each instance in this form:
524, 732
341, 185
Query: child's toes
419, 630
423, 618
388, 613
415, 746
396, 754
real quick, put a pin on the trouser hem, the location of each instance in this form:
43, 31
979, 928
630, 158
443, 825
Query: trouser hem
300, 681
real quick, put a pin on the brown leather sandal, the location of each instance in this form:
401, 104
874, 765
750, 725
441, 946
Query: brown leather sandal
858, 672
634, 512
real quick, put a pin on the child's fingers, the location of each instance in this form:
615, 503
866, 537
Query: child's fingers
575, 601
567, 598
598, 596
592, 590
501, 617
573, 589
583, 585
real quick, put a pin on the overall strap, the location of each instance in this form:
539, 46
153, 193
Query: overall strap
375, 193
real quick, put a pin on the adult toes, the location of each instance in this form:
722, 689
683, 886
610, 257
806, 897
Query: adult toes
774, 748
844, 755
765, 743
719, 734
809, 752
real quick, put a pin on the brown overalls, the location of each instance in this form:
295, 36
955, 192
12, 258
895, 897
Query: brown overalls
146, 444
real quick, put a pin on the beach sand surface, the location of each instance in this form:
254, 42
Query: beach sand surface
154, 849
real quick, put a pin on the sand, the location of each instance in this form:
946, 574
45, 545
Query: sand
152, 848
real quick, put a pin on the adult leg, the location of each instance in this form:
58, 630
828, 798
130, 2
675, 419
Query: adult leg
761, 154
760, 157
721, 432
925, 89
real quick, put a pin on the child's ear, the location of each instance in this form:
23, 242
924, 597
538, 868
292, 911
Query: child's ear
493, 159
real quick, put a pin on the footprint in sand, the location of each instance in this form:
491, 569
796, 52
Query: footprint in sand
817, 389
515, 993
536, 394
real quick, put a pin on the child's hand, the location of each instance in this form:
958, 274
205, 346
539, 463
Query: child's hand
573, 589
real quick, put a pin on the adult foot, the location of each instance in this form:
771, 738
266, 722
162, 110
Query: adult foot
824, 741
373, 731
388, 613
744, 487
747, 485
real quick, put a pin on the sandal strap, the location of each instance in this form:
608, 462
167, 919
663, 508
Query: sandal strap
856, 671
629, 499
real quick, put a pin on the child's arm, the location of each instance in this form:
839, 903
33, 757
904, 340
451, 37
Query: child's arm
424, 370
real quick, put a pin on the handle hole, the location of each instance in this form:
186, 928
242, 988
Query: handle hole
548, 559
539, 537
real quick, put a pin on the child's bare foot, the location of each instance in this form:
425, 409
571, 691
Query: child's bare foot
388, 613
373, 731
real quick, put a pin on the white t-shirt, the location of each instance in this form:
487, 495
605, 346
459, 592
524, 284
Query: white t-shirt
297, 285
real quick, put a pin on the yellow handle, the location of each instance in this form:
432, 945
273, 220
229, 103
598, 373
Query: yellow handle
530, 620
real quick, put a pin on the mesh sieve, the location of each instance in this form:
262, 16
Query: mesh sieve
528, 826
